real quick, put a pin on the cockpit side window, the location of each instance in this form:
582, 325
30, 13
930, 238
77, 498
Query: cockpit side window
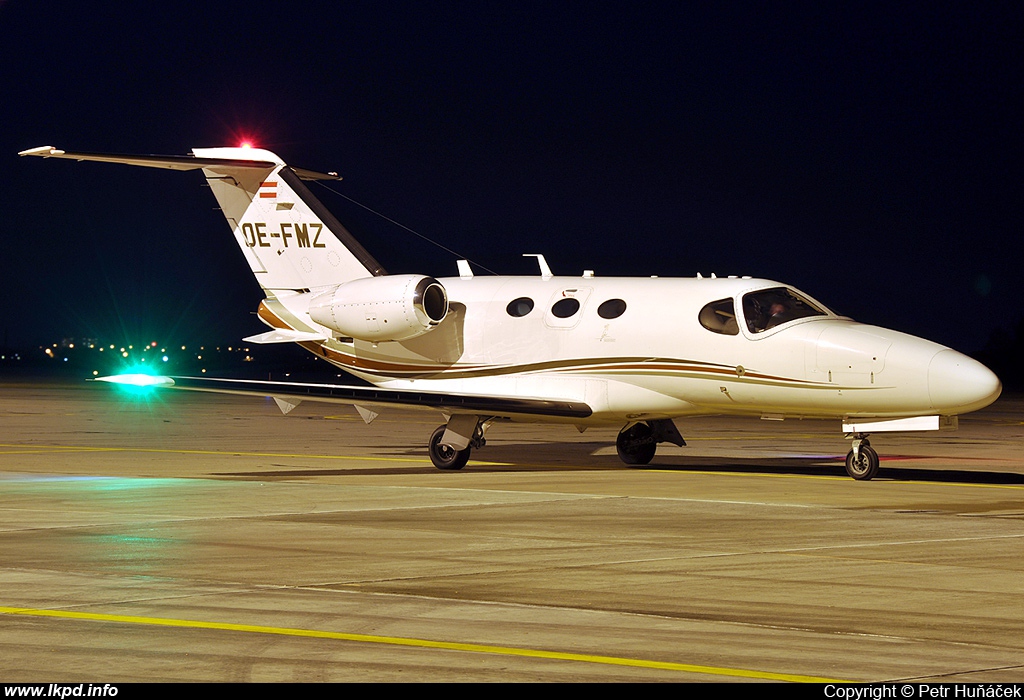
768, 308
720, 317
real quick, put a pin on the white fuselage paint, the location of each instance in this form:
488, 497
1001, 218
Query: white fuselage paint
657, 361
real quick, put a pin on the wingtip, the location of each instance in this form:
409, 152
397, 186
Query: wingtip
137, 380
42, 151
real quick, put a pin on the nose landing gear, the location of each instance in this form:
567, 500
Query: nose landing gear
862, 461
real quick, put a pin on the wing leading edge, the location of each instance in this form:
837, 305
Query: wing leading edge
294, 392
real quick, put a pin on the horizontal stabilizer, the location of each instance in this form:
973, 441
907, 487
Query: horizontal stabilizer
283, 336
179, 162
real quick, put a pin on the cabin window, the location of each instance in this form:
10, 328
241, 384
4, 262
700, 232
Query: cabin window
613, 308
519, 307
564, 308
720, 317
768, 308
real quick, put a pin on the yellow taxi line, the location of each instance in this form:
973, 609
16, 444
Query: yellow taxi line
421, 643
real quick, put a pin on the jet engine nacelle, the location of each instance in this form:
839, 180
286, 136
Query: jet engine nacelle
391, 307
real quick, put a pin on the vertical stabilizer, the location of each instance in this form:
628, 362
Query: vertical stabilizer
287, 236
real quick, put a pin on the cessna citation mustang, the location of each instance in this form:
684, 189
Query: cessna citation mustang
635, 352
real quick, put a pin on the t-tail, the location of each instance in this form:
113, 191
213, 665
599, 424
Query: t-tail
321, 284
290, 240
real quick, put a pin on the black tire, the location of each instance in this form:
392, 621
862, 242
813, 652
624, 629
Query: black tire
445, 457
865, 466
636, 444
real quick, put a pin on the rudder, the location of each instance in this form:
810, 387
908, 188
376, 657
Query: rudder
289, 239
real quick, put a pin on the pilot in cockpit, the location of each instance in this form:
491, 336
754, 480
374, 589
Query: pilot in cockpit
776, 315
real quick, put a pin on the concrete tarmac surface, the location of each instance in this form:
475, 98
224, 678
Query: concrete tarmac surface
194, 537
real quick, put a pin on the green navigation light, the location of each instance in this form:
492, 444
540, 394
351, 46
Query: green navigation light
135, 379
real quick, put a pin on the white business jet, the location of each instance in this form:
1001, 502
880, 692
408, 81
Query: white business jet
584, 351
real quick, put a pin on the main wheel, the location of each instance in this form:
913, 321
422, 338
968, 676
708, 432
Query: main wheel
864, 466
444, 456
636, 444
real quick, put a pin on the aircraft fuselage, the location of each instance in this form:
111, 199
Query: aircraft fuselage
653, 358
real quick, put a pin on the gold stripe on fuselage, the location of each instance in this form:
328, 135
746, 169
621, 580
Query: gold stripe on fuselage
603, 366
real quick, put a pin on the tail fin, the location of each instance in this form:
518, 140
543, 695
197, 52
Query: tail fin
287, 236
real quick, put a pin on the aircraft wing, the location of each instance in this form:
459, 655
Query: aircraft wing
294, 392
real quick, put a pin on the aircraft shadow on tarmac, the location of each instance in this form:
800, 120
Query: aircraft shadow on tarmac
553, 457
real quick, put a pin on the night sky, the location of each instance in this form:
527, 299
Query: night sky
869, 156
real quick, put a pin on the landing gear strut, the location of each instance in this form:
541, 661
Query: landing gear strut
862, 461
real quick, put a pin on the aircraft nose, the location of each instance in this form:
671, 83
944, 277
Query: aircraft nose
960, 384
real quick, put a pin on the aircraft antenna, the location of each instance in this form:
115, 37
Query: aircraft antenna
403, 226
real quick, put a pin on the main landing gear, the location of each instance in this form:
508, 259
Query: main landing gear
862, 461
637, 442
445, 456
451, 444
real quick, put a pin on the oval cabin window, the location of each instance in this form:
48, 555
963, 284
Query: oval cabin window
564, 308
613, 308
519, 307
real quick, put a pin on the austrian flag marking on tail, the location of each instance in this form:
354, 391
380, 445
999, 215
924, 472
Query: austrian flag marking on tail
267, 191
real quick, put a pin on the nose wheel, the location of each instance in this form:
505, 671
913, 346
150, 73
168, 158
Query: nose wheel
862, 461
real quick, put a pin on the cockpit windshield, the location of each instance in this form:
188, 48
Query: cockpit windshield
768, 308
